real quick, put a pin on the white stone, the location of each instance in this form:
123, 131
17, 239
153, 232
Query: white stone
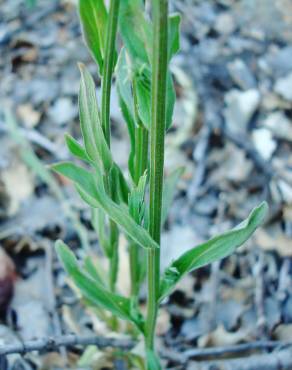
279, 125
264, 143
225, 24
283, 87
63, 111
240, 107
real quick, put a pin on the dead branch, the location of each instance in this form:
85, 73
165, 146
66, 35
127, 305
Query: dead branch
226, 351
273, 361
54, 343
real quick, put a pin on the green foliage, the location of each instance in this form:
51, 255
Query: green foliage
139, 47
216, 248
138, 207
76, 149
93, 193
94, 18
93, 136
94, 292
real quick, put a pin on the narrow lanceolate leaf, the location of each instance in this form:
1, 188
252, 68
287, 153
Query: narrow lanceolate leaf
93, 17
93, 193
76, 149
124, 81
169, 189
132, 18
93, 136
118, 185
136, 200
216, 248
143, 90
124, 88
173, 35
95, 292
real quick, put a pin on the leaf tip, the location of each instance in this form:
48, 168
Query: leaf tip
263, 209
81, 67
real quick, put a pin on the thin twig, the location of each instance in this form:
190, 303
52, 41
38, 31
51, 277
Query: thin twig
239, 349
54, 343
272, 361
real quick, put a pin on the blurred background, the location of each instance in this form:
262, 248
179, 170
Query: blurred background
232, 131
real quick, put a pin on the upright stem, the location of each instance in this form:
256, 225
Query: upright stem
108, 67
109, 60
157, 134
141, 164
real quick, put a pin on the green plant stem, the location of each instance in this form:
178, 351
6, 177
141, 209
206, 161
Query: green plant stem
141, 164
157, 135
108, 67
114, 260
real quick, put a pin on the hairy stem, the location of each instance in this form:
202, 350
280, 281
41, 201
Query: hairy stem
109, 61
157, 134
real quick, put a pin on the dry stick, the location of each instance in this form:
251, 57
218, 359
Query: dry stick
281, 360
54, 343
203, 353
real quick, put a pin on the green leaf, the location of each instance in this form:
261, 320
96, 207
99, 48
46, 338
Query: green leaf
118, 185
76, 149
152, 360
98, 222
93, 17
216, 248
136, 200
143, 89
142, 81
170, 101
95, 292
139, 45
173, 35
93, 193
135, 30
124, 189
169, 189
93, 136
131, 130
124, 78
91, 269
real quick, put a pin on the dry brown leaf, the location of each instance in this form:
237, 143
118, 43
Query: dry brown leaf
163, 322
19, 185
221, 337
28, 115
